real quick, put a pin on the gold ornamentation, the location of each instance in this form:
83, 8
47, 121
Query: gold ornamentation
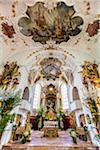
10, 76
90, 74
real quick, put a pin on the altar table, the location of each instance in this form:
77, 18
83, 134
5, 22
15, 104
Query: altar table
50, 131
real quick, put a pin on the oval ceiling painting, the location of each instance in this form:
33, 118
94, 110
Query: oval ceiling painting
58, 24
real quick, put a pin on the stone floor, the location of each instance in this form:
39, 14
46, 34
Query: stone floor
63, 142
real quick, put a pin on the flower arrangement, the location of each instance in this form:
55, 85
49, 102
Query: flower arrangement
25, 137
73, 134
90, 73
10, 76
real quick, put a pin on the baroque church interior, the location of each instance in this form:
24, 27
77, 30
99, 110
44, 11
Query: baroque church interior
49, 75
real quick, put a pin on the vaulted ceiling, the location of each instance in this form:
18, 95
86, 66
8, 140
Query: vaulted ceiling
67, 31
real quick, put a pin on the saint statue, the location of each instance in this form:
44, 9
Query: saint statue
51, 114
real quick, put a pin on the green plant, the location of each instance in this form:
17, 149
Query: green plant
40, 111
61, 113
97, 136
9, 102
73, 135
25, 137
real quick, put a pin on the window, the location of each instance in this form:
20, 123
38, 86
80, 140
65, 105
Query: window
26, 94
65, 103
36, 101
75, 94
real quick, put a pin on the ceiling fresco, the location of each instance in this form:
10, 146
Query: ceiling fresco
50, 68
60, 24
47, 28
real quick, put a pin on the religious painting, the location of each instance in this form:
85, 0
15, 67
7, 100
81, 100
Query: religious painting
42, 24
51, 68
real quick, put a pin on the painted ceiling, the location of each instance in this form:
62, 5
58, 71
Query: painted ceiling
32, 30
43, 25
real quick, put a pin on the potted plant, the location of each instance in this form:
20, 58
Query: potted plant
9, 102
73, 135
97, 137
25, 137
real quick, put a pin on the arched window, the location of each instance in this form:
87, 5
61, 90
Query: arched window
37, 93
75, 94
26, 94
65, 103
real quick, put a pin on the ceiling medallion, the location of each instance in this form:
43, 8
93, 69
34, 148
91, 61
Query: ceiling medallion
43, 25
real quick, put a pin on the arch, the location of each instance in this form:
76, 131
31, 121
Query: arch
75, 94
26, 94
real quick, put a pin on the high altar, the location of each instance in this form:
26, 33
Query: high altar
51, 126
51, 123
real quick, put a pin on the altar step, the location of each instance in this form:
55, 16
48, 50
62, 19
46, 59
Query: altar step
62, 142
27, 147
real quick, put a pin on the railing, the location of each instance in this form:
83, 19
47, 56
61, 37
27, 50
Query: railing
50, 123
26, 105
76, 105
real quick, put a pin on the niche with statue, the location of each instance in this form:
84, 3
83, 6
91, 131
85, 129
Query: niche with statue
50, 103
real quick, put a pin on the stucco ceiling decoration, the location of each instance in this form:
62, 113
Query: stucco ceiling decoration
93, 28
8, 30
60, 24
69, 76
50, 68
50, 45
81, 47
